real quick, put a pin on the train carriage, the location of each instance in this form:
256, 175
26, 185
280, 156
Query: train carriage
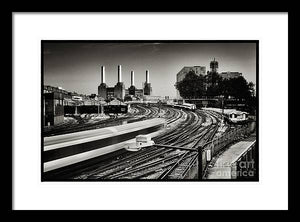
187, 106
68, 149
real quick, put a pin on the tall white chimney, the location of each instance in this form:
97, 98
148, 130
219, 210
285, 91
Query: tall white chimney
132, 78
147, 76
102, 74
119, 73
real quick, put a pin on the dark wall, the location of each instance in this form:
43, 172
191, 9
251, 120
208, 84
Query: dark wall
53, 105
69, 109
208, 103
94, 109
115, 109
89, 109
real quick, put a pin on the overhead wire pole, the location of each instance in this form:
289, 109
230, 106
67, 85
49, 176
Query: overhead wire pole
199, 162
222, 110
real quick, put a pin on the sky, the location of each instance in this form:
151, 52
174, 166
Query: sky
76, 66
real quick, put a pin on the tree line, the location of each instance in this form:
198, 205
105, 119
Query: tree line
195, 86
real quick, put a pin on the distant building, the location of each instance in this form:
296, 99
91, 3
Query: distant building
198, 70
147, 85
211, 78
115, 106
53, 108
230, 75
153, 99
147, 89
132, 90
51, 89
119, 91
214, 65
110, 93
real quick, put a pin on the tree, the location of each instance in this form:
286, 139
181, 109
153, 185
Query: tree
192, 86
251, 88
238, 88
213, 78
213, 81
251, 102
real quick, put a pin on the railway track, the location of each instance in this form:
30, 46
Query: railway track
83, 122
180, 169
170, 115
162, 163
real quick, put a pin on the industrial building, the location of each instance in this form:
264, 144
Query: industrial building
132, 91
57, 102
119, 91
53, 108
115, 106
147, 85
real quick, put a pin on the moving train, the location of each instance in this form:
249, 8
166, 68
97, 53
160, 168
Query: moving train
182, 105
68, 149
187, 106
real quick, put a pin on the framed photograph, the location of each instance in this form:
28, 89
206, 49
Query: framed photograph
132, 111
149, 110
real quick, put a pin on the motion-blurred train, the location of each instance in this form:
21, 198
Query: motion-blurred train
69, 149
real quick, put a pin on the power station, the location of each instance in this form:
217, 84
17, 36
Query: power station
147, 85
119, 91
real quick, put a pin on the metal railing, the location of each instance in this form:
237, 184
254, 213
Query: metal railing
207, 151
211, 148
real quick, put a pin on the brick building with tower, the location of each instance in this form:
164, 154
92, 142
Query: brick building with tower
211, 77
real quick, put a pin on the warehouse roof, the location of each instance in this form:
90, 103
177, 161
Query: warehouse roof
116, 102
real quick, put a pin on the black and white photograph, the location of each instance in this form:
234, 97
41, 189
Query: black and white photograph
149, 110
158, 111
